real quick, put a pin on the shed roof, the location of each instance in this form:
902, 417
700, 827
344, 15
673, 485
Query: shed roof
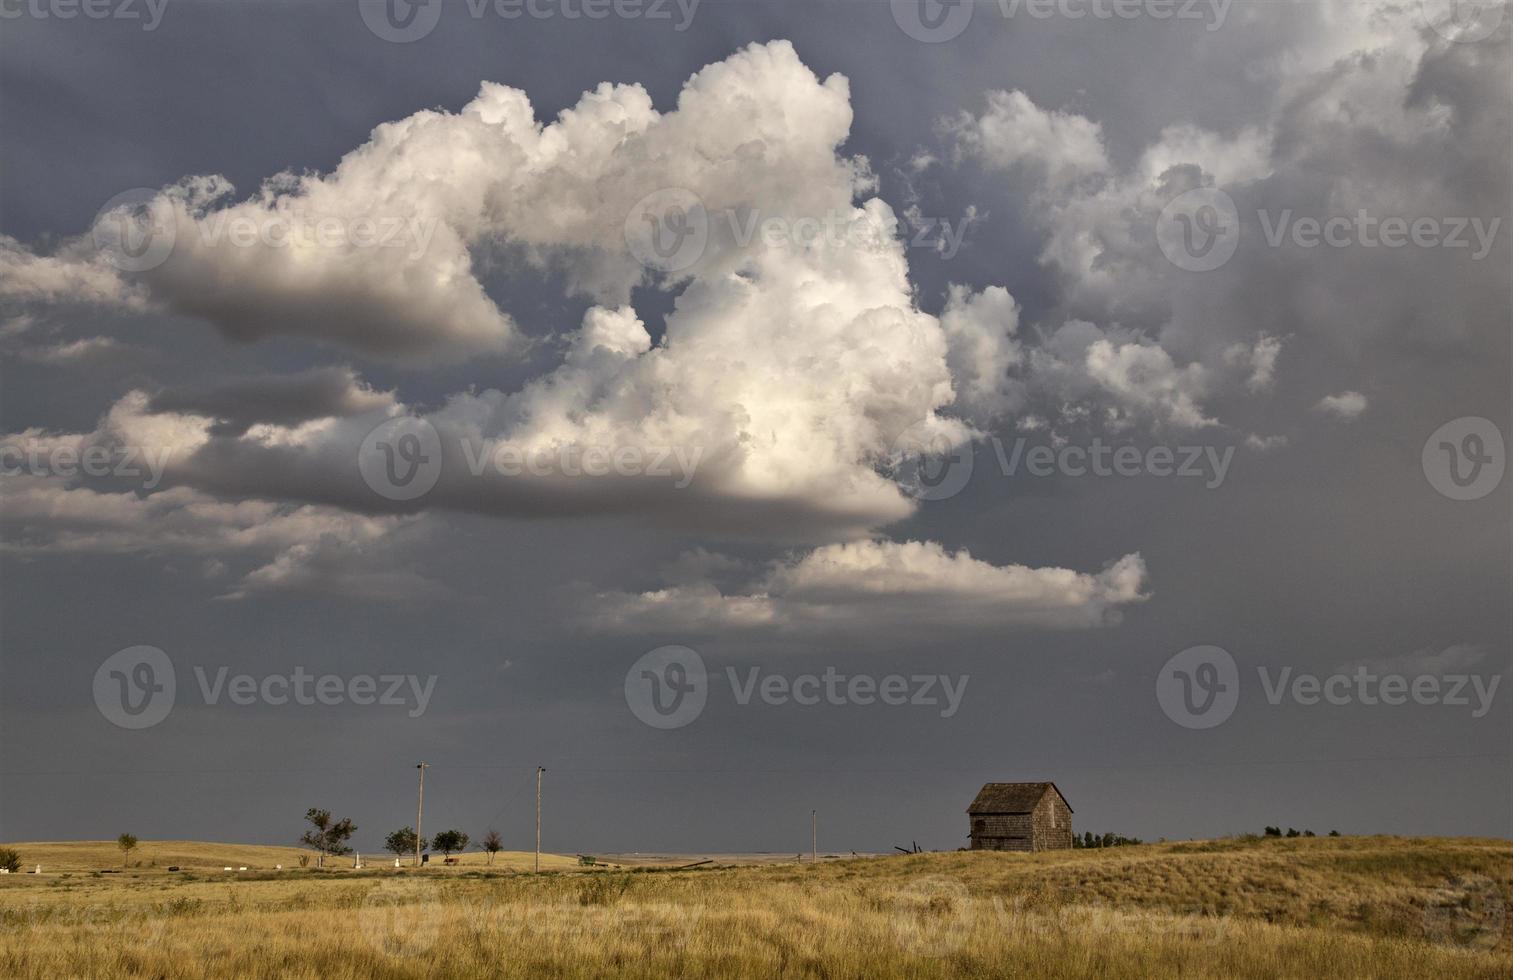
1012, 797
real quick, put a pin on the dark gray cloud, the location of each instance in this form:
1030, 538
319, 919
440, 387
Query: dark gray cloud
282, 400
263, 549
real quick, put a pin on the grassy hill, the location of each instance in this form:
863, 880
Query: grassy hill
1337, 907
159, 855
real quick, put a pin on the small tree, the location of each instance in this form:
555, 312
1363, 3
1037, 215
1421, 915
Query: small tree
10, 859
403, 841
492, 843
327, 836
127, 843
450, 842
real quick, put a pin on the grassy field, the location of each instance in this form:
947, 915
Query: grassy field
159, 855
1336, 907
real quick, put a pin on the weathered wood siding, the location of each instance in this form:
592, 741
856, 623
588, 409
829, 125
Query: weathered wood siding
1048, 828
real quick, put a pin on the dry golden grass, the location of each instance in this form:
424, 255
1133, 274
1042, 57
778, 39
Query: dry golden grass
159, 855
1350, 907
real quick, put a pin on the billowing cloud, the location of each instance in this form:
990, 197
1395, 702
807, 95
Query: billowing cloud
790, 363
282, 547
1371, 117
879, 587
277, 400
1347, 406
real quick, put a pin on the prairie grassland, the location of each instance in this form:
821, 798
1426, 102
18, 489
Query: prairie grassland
159, 855
1348, 907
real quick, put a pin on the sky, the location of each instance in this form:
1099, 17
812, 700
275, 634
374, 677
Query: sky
744, 410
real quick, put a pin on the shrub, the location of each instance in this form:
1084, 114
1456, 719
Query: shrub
10, 859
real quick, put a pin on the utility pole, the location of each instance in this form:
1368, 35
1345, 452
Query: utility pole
539, 771
420, 809
814, 836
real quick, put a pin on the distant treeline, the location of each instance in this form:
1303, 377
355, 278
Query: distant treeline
1090, 839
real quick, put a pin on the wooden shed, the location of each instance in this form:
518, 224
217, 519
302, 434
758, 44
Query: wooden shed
1020, 817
